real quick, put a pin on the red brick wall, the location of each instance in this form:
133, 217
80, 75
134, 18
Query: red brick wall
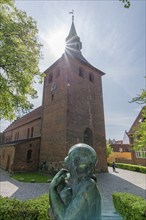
20, 159
6, 157
77, 104
54, 117
85, 110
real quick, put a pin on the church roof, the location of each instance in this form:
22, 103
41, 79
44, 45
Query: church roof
74, 46
72, 32
33, 115
73, 50
82, 59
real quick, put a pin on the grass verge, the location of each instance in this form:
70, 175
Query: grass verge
29, 176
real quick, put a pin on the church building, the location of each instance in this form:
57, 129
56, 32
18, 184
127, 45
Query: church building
71, 112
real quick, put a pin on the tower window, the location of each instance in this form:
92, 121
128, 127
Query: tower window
81, 74
50, 77
91, 77
29, 156
52, 97
57, 73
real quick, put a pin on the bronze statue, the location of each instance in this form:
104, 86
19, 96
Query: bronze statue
73, 192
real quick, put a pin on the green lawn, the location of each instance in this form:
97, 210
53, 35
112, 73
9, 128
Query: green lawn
32, 177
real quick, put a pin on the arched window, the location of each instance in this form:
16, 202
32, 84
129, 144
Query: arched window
88, 137
29, 155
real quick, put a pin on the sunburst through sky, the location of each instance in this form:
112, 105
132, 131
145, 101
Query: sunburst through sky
56, 40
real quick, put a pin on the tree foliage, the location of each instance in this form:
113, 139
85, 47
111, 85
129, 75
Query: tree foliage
108, 149
126, 3
20, 55
140, 134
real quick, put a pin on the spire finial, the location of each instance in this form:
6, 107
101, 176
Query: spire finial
72, 12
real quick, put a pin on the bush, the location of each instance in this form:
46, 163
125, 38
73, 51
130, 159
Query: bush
34, 209
130, 207
131, 167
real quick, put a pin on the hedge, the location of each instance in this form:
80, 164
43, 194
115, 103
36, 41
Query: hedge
130, 207
34, 209
131, 167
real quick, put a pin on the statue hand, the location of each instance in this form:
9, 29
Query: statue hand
59, 178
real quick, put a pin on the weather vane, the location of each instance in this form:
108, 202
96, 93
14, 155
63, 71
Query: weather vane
72, 12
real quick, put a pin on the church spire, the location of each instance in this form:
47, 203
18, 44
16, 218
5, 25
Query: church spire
73, 42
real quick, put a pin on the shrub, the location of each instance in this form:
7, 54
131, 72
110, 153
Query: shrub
130, 207
131, 167
34, 209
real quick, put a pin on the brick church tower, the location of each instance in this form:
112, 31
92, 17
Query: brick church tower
72, 108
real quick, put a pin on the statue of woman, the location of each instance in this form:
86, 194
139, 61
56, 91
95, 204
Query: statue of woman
73, 192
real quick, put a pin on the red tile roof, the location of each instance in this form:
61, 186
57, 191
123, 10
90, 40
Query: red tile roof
33, 115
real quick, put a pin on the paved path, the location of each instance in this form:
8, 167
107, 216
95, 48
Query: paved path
122, 181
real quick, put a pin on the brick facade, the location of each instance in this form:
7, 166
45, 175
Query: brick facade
14, 157
72, 107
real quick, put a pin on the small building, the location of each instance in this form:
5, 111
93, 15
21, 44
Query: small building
120, 147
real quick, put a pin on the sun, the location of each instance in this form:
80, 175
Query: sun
56, 41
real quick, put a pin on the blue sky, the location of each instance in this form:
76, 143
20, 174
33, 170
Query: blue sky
113, 40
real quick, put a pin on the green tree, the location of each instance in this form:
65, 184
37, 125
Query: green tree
108, 149
20, 55
140, 134
126, 3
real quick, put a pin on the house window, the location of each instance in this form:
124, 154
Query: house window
32, 129
91, 77
29, 155
141, 154
131, 139
88, 137
28, 131
50, 77
81, 74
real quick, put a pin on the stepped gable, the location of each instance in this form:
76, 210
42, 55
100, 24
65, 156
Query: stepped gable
33, 115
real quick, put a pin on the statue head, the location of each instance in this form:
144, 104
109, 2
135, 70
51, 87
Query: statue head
81, 159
